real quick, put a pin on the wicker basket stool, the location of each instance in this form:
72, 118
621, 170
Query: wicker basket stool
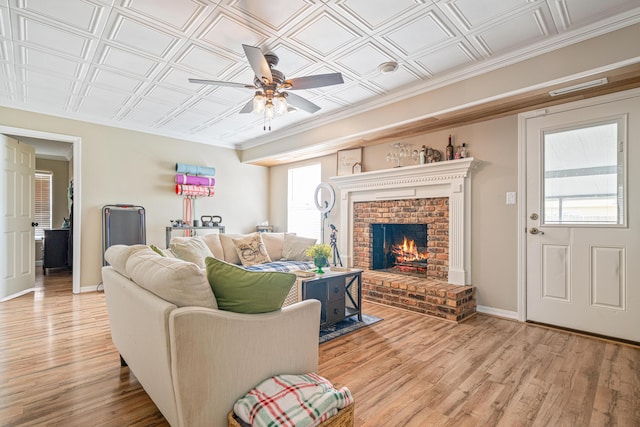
344, 418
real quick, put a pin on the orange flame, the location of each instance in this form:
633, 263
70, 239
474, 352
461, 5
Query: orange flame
407, 251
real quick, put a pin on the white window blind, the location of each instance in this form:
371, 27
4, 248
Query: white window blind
303, 218
43, 202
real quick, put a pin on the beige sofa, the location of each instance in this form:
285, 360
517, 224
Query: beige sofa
192, 359
280, 247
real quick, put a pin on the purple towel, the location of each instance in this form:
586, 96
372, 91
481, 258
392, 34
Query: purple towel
195, 180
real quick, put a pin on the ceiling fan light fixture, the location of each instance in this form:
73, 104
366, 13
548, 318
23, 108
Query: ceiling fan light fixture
388, 67
280, 104
269, 110
259, 102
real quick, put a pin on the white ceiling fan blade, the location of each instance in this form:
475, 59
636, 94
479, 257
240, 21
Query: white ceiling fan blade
258, 63
319, 80
248, 107
219, 83
301, 103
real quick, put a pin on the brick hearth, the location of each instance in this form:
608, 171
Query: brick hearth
423, 295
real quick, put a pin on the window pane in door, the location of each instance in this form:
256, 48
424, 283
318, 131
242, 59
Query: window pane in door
583, 175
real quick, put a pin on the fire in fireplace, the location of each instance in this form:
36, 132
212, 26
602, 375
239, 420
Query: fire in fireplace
400, 248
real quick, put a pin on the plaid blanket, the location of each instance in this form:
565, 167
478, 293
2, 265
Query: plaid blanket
284, 266
292, 400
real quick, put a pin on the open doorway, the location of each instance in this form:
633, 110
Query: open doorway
57, 143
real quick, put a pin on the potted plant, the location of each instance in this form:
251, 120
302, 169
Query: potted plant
320, 254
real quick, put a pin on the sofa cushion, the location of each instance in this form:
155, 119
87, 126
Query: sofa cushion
249, 292
179, 282
273, 242
251, 250
229, 248
215, 245
117, 256
193, 250
294, 246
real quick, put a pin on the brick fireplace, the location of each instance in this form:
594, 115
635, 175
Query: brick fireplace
436, 195
432, 212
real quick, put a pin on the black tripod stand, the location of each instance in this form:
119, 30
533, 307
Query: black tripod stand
334, 246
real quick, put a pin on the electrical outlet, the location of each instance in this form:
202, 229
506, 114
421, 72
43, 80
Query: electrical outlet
511, 197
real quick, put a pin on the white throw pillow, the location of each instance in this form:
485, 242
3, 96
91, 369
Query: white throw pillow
179, 282
294, 247
193, 250
117, 256
251, 250
213, 242
273, 242
229, 248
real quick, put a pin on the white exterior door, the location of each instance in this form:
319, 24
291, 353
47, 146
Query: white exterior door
18, 244
583, 217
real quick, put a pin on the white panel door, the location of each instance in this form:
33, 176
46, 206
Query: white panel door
18, 245
583, 217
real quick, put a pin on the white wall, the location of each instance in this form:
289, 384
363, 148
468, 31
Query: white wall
494, 231
122, 166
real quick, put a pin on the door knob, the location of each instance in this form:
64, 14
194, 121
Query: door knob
34, 224
534, 230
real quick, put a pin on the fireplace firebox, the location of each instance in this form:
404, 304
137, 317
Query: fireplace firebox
400, 248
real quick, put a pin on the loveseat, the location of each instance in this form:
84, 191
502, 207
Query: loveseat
284, 252
193, 359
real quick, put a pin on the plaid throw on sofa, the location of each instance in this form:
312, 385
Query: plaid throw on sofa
292, 400
283, 266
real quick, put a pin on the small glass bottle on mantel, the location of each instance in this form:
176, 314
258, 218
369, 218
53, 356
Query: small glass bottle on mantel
449, 150
463, 151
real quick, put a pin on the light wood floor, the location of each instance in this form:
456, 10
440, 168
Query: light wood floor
58, 367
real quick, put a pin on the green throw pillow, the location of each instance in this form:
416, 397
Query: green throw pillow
244, 291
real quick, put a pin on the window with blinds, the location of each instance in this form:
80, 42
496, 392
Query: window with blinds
303, 218
43, 202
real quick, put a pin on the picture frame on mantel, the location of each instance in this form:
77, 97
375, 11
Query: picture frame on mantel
347, 159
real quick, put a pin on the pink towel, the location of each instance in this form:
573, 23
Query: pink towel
194, 190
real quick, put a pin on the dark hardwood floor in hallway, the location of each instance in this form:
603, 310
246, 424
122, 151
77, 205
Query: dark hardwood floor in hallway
58, 367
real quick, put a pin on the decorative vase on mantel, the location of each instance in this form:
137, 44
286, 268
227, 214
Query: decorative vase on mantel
320, 262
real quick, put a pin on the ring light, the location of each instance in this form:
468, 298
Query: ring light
332, 197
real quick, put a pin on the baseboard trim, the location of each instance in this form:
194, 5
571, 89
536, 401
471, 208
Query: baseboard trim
17, 294
497, 312
94, 288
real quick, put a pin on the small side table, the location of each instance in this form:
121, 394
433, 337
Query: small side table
339, 293
56, 244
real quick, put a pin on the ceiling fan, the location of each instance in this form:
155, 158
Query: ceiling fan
271, 86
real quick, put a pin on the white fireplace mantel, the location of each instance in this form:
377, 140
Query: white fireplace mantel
450, 179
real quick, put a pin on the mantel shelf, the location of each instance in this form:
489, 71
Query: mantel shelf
445, 170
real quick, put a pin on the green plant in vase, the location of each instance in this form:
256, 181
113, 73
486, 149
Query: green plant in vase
320, 254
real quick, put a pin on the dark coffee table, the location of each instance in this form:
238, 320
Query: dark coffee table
338, 290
